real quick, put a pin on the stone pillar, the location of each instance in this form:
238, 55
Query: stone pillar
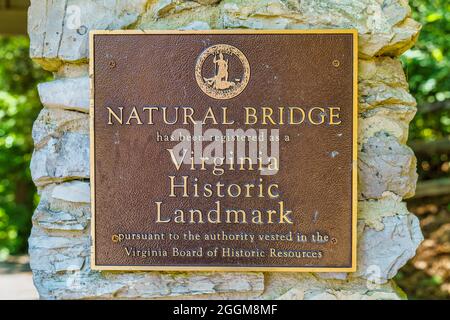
388, 234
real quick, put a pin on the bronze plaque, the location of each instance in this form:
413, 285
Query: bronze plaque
223, 150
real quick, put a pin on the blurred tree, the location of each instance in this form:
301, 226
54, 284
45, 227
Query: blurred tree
427, 65
428, 68
428, 62
19, 106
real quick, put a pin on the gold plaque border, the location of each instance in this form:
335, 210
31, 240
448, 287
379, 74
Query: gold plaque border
352, 268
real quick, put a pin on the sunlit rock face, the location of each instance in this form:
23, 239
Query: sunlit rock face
60, 243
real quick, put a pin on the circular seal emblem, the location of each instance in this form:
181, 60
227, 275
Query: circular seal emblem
222, 71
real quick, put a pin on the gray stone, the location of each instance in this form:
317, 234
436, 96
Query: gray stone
304, 286
51, 251
72, 70
382, 253
75, 191
146, 285
196, 25
382, 82
382, 94
386, 165
53, 214
391, 119
71, 220
67, 93
52, 123
372, 212
332, 275
61, 159
59, 30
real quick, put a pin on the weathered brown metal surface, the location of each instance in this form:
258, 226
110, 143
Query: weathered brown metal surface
131, 168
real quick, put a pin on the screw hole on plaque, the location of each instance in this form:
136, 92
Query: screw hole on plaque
82, 30
336, 63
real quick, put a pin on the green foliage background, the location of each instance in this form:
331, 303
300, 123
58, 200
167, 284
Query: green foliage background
427, 66
19, 106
